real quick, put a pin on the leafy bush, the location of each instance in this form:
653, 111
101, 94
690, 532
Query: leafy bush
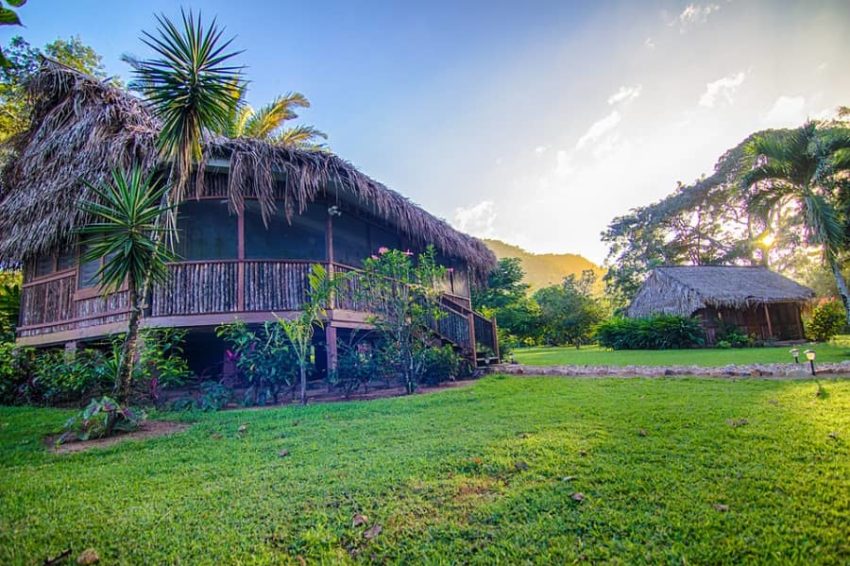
162, 364
60, 377
15, 372
265, 357
101, 418
440, 364
659, 332
733, 337
828, 320
361, 361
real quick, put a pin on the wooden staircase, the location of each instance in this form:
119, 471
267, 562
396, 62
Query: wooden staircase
474, 335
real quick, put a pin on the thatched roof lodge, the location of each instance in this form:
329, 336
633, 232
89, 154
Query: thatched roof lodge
254, 217
759, 301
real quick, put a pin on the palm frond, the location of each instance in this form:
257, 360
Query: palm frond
301, 137
126, 232
265, 121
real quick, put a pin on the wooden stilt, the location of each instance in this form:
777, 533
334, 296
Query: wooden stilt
767, 317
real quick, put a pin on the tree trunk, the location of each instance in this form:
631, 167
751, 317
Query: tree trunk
842, 287
303, 371
124, 378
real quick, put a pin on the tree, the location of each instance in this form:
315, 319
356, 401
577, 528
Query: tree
569, 312
125, 233
8, 17
267, 123
803, 168
22, 60
506, 298
300, 329
406, 299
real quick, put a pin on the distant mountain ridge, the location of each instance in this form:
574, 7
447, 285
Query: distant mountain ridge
542, 270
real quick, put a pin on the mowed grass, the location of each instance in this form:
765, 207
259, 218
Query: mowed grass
835, 351
672, 471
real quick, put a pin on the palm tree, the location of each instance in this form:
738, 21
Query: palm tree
266, 124
801, 167
125, 233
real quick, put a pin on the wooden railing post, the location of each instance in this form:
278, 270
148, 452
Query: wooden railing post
472, 346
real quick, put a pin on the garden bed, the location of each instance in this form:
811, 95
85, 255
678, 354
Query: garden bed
148, 430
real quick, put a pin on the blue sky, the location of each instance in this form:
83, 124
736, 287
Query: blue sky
533, 122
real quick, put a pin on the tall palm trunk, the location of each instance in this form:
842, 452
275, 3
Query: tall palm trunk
841, 283
124, 378
302, 369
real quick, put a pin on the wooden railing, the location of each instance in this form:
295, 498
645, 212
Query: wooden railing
225, 286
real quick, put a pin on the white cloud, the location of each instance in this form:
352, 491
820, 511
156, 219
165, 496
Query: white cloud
625, 94
478, 219
724, 87
599, 128
787, 111
694, 14
540, 149
649, 43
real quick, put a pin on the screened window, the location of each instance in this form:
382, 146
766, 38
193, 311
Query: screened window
66, 260
301, 237
351, 240
207, 230
88, 271
43, 265
381, 238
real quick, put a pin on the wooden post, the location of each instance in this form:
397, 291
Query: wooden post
329, 243
471, 319
801, 332
496, 340
240, 266
767, 317
331, 347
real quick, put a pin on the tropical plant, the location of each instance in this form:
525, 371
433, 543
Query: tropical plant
264, 356
802, 168
59, 377
267, 123
10, 304
189, 87
300, 330
659, 332
125, 232
827, 321
101, 418
162, 364
16, 364
406, 299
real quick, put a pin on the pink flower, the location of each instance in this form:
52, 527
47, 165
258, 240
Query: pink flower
451, 270
374, 257
382, 250
408, 253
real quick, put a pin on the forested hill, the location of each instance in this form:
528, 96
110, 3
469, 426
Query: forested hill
542, 270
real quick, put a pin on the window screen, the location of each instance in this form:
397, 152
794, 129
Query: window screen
351, 240
66, 260
301, 237
88, 271
381, 238
43, 265
207, 230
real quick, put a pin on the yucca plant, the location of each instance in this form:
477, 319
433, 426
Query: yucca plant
125, 234
189, 87
802, 167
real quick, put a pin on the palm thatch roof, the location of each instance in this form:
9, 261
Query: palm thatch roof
83, 127
685, 290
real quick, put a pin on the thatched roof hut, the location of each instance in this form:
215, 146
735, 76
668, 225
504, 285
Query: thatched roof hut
760, 302
83, 127
685, 290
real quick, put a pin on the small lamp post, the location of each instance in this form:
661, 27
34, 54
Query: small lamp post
810, 355
795, 352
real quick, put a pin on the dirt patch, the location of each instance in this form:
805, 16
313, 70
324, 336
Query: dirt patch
732, 371
150, 429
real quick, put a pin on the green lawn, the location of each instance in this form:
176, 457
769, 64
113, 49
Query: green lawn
474, 474
835, 351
